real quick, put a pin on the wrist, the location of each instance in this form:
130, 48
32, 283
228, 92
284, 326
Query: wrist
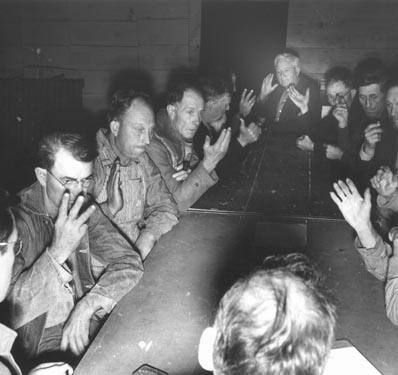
242, 140
303, 110
342, 124
54, 253
208, 165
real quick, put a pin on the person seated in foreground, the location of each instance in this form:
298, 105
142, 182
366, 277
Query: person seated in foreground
330, 138
380, 257
171, 148
276, 321
292, 103
10, 246
217, 100
74, 266
128, 185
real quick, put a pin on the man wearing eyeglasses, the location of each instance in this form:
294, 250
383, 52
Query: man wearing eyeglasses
74, 265
330, 138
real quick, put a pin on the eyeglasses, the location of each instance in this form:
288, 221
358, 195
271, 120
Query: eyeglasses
72, 183
17, 248
340, 98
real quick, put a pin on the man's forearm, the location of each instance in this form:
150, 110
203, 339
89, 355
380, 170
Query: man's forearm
145, 242
367, 235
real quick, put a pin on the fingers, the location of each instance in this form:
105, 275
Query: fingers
352, 187
339, 192
76, 207
345, 189
85, 215
335, 199
180, 175
307, 94
207, 142
63, 208
367, 196
372, 127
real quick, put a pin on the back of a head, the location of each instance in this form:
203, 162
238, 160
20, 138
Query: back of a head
277, 321
370, 71
340, 74
82, 147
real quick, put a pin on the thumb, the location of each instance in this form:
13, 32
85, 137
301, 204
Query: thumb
307, 93
366, 196
242, 124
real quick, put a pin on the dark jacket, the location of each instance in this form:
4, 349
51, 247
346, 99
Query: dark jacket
167, 151
41, 287
291, 119
235, 154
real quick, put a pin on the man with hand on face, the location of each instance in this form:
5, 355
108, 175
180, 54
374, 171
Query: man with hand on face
74, 266
380, 146
330, 138
129, 186
172, 150
217, 100
10, 246
292, 103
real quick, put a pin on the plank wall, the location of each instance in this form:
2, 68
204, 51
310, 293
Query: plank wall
93, 39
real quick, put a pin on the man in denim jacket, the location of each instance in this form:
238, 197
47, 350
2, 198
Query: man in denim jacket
74, 266
128, 185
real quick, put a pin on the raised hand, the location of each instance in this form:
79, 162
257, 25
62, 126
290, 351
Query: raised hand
385, 182
246, 103
75, 335
69, 228
355, 209
304, 142
300, 100
213, 154
113, 188
372, 135
248, 134
267, 87
340, 113
52, 368
333, 152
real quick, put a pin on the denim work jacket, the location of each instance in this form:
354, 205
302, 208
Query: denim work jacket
148, 205
7, 362
167, 150
43, 292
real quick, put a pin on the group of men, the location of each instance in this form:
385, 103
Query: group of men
99, 206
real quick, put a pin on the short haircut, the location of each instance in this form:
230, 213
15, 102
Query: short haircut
83, 148
340, 74
289, 55
176, 91
370, 71
276, 321
213, 86
121, 101
6, 217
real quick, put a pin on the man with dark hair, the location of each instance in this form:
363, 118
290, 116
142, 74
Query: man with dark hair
172, 149
330, 138
276, 321
291, 103
74, 266
217, 99
128, 185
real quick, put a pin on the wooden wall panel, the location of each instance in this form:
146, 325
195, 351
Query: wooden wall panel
328, 33
163, 57
45, 33
104, 58
163, 32
10, 34
104, 33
